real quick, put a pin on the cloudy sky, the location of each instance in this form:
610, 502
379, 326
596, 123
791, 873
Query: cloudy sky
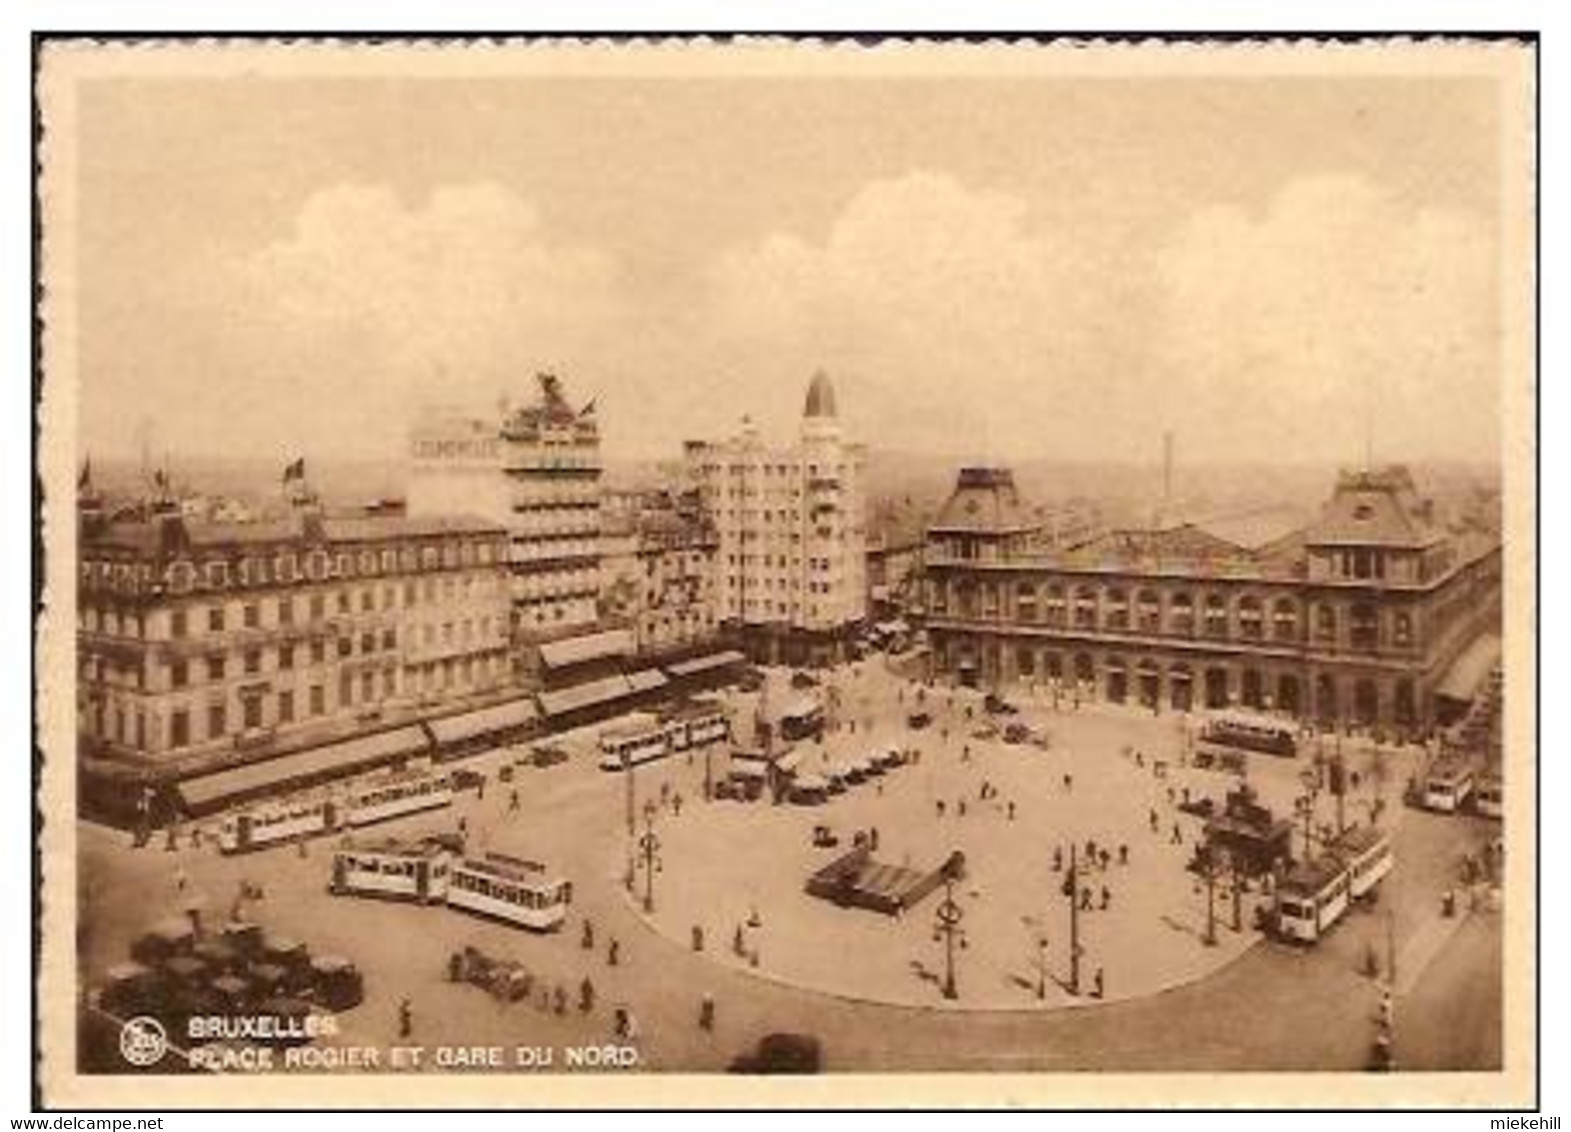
999, 269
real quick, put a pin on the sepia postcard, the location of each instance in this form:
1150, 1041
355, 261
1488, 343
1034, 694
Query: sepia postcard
787, 572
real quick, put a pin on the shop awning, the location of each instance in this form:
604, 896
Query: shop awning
564, 700
645, 679
498, 717
592, 646
788, 762
1467, 671
210, 791
704, 663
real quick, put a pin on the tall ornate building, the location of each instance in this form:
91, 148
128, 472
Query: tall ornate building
792, 534
212, 641
536, 471
1359, 618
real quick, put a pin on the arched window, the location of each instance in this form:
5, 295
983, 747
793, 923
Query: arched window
1251, 620
1085, 608
1025, 601
1149, 611
1402, 629
1325, 622
1364, 628
1117, 609
1284, 620
1216, 615
1055, 605
1181, 615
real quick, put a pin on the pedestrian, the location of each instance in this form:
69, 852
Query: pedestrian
1058, 859
301, 845
172, 838
962, 806
463, 827
1099, 985
613, 954
1123, 854
872, 839
965, 753
940, 804
406, 1018
1153, 821
1140, 759
1105, 858
586, 996
480, 789
1085, 899
1069, 783
1011, 810
588, 937
1178, 836
180, 878
623, 1022
512, 800
559, 999
1107, 897
739, 942
676, 805
706, 1013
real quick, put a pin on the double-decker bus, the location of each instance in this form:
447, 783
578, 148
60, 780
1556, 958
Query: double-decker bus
393, 793
641, 739
279, 820
1489, 795
1233, 733
392, 869
508, 888
696, 724
1448, 784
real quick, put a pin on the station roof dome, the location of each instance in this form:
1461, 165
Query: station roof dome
820, 397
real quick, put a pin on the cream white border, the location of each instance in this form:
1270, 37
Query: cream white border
58, 460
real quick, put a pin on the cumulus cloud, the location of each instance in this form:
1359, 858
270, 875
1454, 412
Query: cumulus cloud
1280, 332
371, 306
953, 321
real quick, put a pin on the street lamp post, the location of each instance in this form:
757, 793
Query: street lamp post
649, 850
1208, 870
947, 928
1072, 890
627, 774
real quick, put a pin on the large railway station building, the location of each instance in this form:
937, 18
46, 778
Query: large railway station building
1372, 615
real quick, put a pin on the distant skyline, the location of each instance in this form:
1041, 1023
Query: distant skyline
990, 270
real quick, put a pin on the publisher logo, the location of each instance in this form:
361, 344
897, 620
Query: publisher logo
143, 1041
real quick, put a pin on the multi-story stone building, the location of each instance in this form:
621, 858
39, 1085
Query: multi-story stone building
661, 572
792, 534
238, 640
534, 470
1355, 619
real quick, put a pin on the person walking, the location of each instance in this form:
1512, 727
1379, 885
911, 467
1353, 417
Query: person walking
1098, 985
586, 996
406, 1018
587, 939
706, 1013
512, 800
613, 954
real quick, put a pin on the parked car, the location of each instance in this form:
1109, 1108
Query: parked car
1017, 733
781, 1053
995, 704
986, 731
547, 754
750, 680
918, 720
800, 679
467, 779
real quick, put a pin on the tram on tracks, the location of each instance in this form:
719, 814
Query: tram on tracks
391, 869
360, 802
1315, 894
517, 891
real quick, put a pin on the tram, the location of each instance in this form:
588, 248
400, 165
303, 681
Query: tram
1448, 785
393, 793
643, 738
392, 869
1236, 732
1489, 797
696, 724
507, 888
278, 821
1315, 894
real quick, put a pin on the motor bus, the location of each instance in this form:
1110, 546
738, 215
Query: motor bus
392, 869
1366, 852
1312, 897
507, 888
802, 719
392, 793
1448, 785
1233, 733
696, 724
278, 821
1489, 795
641, 739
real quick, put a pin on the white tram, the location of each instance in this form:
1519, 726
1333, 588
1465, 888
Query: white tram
386, 794
392, 869
1448, 785
507, 888
393, 793
643, 738
1241, 732
277, 821
1489, 796
1366, 851
1315, 894
697, 724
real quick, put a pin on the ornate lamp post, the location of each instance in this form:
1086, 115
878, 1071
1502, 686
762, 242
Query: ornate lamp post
1208, 867
948, 929
1072, 891
649, 852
